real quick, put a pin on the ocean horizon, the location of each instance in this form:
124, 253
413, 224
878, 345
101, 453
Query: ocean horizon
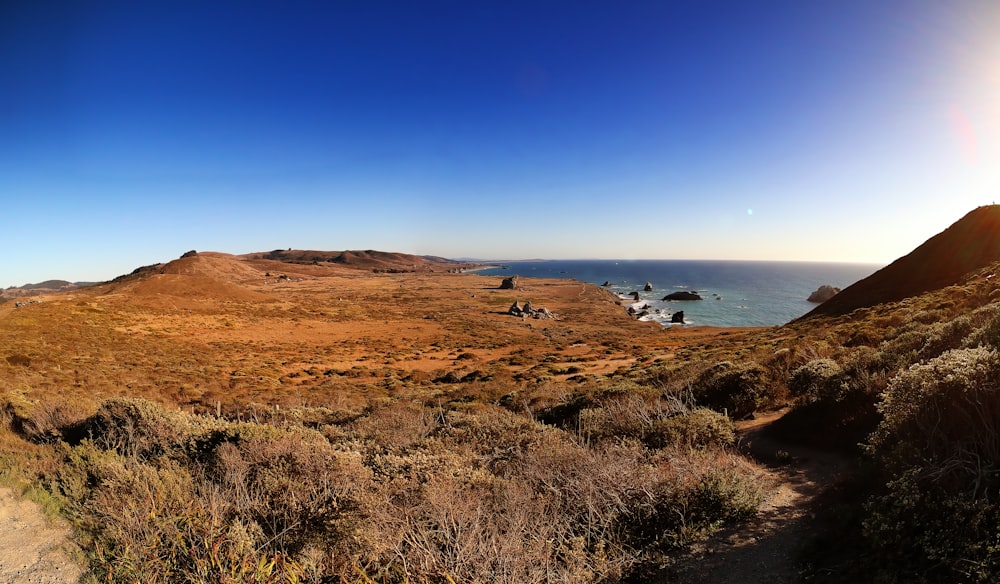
734, 292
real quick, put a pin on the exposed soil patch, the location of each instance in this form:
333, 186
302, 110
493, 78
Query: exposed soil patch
32, 547
767, 550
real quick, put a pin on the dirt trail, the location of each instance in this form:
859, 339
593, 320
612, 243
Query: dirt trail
766, 550
33, 548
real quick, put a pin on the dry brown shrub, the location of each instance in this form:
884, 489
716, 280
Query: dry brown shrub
406, 493
399, 423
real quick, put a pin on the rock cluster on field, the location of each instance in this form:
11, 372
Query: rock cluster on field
509, 283
823, 293
529, 311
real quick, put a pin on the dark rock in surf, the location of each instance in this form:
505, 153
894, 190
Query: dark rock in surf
682, 295
823, 293
648, 287
677, 317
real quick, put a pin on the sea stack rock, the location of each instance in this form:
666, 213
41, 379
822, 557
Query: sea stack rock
682, 295
823, 293
677, 317
509, 283
648, 287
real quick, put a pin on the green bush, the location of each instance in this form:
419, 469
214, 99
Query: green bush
698, 428
945, 336
737, 389
939, 515
987, 327
819, 379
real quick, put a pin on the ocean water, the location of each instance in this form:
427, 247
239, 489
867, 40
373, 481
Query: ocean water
735, 293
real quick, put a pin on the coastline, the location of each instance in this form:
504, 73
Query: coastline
734, 293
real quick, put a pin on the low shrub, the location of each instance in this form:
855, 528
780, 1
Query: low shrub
819, 379
478, 495
937, 517
943, 336
736, 389
698, 428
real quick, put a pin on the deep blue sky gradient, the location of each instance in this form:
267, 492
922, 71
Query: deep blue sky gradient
830, 130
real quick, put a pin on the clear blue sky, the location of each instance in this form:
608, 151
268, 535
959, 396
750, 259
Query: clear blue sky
839, 130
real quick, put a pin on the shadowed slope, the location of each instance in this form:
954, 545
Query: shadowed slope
971, 243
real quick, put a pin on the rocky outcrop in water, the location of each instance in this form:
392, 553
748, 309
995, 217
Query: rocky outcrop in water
682, 295
823, 293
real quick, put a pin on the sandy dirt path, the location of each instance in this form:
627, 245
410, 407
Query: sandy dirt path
767, 549
33, 548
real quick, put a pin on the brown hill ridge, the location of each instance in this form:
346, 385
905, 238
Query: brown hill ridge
971, 243
366, 259
203, 277
253, 266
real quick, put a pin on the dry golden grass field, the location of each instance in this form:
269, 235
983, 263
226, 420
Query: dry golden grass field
215, 329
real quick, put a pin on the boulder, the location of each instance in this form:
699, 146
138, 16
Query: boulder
677, 317
648, 287
529, 311
682, 295
634, 295
823, 293
606, 283
509, 283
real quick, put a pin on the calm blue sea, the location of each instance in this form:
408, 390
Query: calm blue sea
736, 293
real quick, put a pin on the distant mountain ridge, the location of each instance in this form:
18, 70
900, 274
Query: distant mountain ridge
47, 286
371, 259
970, 244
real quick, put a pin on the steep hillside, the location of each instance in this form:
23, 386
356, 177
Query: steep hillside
971, 243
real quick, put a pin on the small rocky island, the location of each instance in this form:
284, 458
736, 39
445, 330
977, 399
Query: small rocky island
823, 293
682, 295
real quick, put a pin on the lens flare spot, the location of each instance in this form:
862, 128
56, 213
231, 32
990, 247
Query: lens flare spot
749, 211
